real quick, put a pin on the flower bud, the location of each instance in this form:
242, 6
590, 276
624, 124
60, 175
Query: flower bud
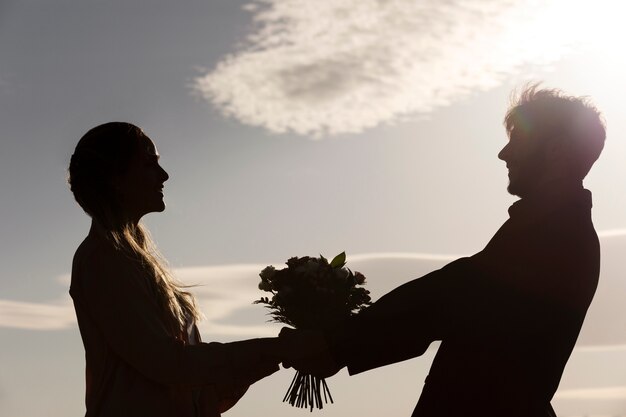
265, 286
267, 273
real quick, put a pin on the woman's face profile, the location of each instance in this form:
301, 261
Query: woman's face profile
141, 186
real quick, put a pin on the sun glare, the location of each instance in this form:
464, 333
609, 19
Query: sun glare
561, 26
597, 27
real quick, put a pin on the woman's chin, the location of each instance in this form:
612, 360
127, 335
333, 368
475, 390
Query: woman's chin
156, 208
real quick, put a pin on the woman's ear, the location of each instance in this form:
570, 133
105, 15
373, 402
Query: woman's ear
117, 185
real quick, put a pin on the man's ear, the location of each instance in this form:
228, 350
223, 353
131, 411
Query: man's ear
559, 152
555, 148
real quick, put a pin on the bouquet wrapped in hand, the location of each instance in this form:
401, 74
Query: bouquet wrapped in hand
312, 294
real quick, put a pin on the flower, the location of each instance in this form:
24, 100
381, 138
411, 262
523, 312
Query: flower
267, 273
312, 293
265, 286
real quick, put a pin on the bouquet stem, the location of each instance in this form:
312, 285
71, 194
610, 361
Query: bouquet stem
306, 391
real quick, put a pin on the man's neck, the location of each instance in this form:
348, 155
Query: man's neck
554, 188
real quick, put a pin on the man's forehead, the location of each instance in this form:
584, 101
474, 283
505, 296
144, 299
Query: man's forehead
520, 121
518, 133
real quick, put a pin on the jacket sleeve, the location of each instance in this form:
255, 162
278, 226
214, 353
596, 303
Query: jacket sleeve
121, 306
404, 322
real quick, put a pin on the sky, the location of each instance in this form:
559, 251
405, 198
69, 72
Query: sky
294, 128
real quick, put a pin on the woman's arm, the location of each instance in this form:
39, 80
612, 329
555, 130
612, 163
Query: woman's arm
120, 304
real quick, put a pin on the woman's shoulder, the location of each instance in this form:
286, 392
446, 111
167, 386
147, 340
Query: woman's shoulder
95, 258
93, 250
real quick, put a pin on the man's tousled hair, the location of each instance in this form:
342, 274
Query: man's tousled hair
544, 114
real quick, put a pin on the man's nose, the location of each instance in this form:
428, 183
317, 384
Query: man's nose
504, 153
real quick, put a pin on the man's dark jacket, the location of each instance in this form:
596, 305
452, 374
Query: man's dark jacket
507, 317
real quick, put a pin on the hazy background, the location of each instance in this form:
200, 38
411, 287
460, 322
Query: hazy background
291, 128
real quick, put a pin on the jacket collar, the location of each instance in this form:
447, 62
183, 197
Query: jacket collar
550, 200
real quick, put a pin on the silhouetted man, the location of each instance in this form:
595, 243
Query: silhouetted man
507, 317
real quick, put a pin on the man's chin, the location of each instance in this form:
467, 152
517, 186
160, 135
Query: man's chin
513, 189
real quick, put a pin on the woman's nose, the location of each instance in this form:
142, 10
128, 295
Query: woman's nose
164, 175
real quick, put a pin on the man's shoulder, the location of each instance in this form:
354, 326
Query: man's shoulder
570, 228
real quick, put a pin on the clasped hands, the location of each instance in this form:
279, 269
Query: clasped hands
308, 352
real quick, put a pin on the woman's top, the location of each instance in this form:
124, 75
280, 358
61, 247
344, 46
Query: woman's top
134, 365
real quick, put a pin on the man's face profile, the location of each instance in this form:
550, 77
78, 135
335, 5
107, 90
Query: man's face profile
525, 162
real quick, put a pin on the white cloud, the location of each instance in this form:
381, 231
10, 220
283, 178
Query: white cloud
37, 316
365, 257
604, 393
341, 66
601, 349
225, 294
221, 291
612, 233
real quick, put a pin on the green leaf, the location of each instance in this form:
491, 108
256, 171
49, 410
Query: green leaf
339, 260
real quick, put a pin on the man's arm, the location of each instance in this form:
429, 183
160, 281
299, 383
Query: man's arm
399, 326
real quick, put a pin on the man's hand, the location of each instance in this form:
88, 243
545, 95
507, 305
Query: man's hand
307, 351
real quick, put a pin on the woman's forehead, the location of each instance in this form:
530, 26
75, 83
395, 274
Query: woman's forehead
148, 145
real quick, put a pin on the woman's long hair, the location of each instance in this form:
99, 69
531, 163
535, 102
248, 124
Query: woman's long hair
102, 154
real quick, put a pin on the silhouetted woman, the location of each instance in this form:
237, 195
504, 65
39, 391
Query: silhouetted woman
143, 352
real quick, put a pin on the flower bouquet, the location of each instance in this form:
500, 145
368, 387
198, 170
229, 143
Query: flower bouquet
312, 293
